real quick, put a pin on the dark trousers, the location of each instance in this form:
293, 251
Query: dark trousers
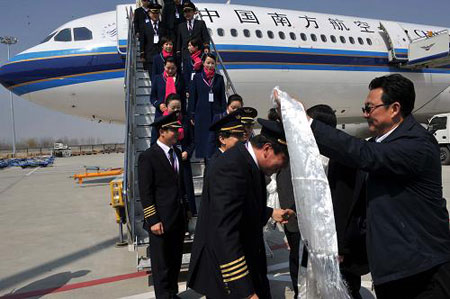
430, 284
353, 283
165, 253
189, 185
294, 258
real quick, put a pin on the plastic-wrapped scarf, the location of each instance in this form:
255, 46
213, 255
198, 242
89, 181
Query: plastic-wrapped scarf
313, 203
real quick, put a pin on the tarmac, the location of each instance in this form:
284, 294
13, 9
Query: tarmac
58, 238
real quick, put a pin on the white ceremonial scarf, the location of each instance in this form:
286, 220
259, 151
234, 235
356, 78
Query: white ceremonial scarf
313, 203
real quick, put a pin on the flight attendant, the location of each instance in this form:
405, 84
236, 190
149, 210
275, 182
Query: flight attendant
165, 84
194, 63
160, 59
207, 98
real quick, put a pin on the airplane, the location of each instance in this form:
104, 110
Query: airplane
322, 58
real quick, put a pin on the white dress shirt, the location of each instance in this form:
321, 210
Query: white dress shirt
249, 147
382, 137
166, 149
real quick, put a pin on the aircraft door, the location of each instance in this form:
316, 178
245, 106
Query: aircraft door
122, 14
398, 41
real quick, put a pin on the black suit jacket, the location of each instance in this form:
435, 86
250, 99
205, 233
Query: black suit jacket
140, 15
161, 189
169, 15
228, 257
183, 36
407, 219
146, 40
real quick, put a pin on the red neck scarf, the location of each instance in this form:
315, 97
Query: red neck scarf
170, 85
197, 60
209, 74
166, 54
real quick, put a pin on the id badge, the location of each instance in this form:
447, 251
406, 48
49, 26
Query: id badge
177, 14
192, 76
156, 39
211, 97
147, 20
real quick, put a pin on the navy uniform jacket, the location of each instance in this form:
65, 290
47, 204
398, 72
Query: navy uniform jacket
158, 66
183, 36
202, 111
188, 70
407, 219
160, 189
212, 147
140, 15
169, 16
158, 93
146, 40
228, 257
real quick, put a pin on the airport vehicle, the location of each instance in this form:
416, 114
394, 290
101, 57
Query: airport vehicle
79, 68
439, 126
61, 150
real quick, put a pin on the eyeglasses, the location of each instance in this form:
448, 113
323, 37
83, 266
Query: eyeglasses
369, 109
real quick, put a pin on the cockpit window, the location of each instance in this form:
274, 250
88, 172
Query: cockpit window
82, 33
64, 36
49, 37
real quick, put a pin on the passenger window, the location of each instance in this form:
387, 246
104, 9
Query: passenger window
303, 36
246, 33
360, 41
234, 32
49, 37
323, 38
293, 36
220, 32
64, 36
369, 41
270, 34
342, 39
313, 37
282, 35
352, 40
333, 38
259, 33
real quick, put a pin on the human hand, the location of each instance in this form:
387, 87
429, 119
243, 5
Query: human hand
253, 296
157, 229
163, 107
340, 259
184, 156
282, 216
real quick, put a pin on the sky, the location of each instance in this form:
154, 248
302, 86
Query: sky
31, 21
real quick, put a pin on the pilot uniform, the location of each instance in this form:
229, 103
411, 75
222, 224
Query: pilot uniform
161, 189
228, 256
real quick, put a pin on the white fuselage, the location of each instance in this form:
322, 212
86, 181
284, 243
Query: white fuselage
320, 58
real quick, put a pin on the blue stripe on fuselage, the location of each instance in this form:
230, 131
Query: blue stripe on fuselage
29, 70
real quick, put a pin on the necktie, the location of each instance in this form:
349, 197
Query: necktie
172, 160
190, 26
155, 27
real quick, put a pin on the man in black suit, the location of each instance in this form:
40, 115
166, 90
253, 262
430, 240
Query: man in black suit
191, 29
163, 199
140, 17
408, 236
173, 15
228, 258
152, 32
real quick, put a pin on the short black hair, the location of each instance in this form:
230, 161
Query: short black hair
172, 97
196, 43
210, 55
170, 59
323, 113
396, 88
235, 98
258, 141
166, 39
273, 115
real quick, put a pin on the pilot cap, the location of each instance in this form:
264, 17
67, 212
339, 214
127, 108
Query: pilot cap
273, 130
248, 115
229, 123
169, 121
189, 6
154, 7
